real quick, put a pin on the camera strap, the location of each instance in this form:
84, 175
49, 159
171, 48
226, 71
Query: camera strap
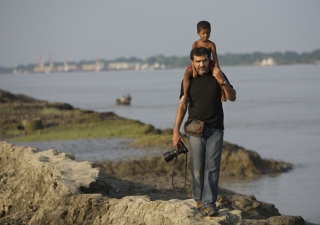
185, 174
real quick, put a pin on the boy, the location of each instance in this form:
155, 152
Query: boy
203, 30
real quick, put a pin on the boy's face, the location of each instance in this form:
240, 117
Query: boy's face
204, 34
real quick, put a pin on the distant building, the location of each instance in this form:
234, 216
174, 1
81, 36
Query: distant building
97, 66
157, 66
134, 66
123, 66
40, 67
268, 62
66, 67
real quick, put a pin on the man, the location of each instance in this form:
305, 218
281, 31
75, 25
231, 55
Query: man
205, 151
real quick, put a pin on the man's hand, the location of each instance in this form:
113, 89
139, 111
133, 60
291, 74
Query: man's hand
176, 137
218, 75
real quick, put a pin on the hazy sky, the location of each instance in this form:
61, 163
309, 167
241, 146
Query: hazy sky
84, 30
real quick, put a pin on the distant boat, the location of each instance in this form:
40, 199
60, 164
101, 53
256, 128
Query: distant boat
124, 100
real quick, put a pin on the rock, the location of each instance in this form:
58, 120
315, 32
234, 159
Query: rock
239, 162
32, 125
49, 187
23, 100
32, 180
286, 220
235, 162
250, 207
140, 210
6, 97
278, 220
168, 131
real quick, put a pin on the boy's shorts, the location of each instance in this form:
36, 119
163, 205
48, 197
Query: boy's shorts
211, 64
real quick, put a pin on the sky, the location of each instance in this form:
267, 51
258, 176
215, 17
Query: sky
84, 30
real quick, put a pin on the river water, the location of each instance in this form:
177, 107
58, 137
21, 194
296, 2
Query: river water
277, 114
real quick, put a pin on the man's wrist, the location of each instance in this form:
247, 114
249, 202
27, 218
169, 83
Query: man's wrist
176, 132
224, 83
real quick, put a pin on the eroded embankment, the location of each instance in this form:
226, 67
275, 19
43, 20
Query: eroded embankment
49, 187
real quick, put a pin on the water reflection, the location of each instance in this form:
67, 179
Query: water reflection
253, 185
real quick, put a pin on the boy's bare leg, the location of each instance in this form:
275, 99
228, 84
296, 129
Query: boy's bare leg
194, 72
186, 83
223, 95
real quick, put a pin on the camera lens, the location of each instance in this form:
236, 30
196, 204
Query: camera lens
168, 156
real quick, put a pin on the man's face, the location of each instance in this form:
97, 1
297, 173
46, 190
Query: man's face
201, 64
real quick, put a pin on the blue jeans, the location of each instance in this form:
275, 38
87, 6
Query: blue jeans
205, 156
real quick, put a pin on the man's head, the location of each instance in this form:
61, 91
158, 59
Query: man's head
200, 60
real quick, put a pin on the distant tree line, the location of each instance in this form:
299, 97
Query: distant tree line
288, 57
228, 59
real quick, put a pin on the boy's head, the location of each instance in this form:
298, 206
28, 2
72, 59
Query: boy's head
204, 30
203, 25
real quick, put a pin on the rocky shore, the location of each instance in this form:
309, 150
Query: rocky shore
50, 187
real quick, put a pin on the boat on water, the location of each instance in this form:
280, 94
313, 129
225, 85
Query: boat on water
124, 100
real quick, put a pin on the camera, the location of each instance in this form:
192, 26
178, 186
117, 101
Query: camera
168, 156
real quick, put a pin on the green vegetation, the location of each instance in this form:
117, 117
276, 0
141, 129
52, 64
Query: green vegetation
34, 120
288, 57
150, 141
5, 110
87, 128
52, 111
91, 127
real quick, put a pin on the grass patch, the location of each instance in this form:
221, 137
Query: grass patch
5, 110
50, 111
88, 127
77, 124
150, 141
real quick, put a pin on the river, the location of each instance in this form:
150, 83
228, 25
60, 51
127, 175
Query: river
276, 114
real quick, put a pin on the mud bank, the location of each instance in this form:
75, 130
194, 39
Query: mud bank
50, 187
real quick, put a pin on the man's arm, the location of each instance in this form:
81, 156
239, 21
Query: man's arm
181, 112
228, 90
